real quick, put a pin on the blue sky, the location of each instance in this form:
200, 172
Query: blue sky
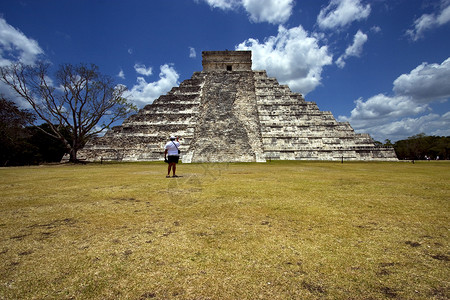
382, 65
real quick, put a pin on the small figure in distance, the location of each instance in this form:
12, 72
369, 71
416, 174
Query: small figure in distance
172, 155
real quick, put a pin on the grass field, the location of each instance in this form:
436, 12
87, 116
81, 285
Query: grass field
280, 230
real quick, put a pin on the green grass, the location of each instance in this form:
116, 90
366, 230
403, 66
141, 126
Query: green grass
280, 230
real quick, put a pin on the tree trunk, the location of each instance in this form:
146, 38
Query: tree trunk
73, 155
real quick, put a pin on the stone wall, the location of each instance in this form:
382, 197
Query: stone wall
226, 61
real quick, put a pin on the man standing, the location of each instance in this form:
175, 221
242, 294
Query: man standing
172, 155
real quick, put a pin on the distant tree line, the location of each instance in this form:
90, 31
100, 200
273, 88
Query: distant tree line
422, 147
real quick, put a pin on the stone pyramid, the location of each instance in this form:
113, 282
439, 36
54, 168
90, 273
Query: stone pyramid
229, 113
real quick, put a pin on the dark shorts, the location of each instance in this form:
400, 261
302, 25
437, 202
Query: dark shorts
173, 159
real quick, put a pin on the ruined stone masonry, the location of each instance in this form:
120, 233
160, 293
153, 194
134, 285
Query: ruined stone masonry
229, 113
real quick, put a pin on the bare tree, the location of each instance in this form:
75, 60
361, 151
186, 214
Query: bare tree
80, 98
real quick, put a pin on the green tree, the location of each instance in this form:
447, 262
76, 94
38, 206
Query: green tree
388, 143
420, 146
47, 149
13, 133
80, 98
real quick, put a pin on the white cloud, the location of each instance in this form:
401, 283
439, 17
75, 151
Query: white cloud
271, 11
396, 118
426, 83
375, 29
121, 74
192, 52
429, 21
353, 50
223, 4
143, 70
408, 111
340, 62
144, 92
441, 125
15, 46
380, 109
340, 13
293, 57
431, 124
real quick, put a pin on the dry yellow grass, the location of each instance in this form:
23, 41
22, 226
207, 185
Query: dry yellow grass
280, 230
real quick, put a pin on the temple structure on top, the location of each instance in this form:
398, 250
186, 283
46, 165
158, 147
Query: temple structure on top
227, 61
230, 113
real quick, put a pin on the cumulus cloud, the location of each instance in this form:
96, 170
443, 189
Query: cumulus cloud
293, 57
408, 111
223, 4
121, 74
380, 109
353, 50
15, 46
429, 21
375, 29
143, 92
143, 70
192, 52
340, 13
271, 11
395, 118
426, 83
431, 124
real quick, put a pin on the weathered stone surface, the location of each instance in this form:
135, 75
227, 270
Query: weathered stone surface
226, 61
229, 113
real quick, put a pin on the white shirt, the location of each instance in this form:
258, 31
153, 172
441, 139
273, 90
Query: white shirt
171, 149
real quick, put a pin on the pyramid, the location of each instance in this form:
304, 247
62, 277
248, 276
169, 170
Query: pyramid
230, 113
